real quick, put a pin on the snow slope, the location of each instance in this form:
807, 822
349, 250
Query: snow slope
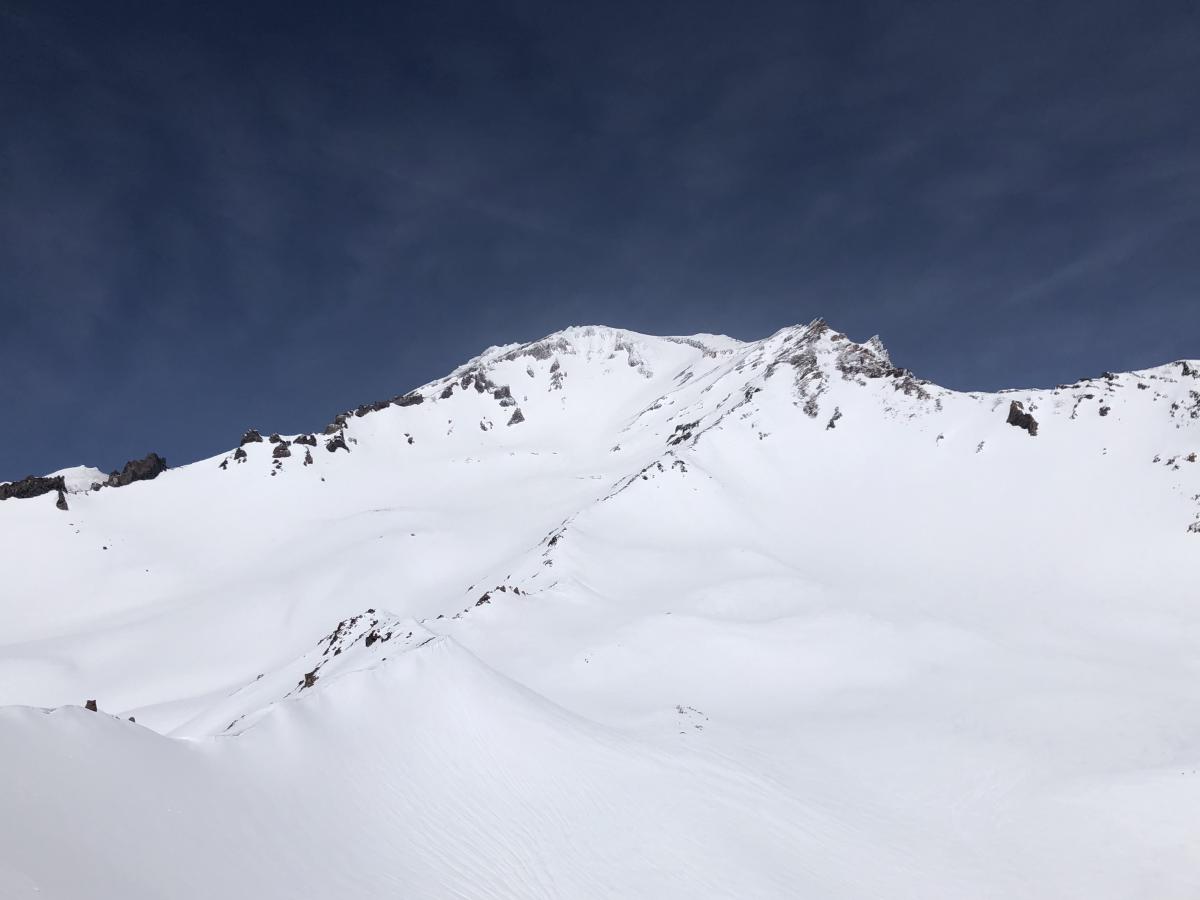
615, 615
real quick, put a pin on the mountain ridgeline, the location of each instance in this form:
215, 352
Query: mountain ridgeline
613, 615
823, 373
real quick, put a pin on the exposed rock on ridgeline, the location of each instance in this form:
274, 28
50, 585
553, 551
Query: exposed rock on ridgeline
144, 469
539, 350
307, 439
36, 485
281, 451
32, 486
251, 437
338, 423
377, 406
810, 349
1021, 419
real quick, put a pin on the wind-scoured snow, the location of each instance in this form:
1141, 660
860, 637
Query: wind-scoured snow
613, 615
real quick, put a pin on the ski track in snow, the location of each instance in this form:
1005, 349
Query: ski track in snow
706, 619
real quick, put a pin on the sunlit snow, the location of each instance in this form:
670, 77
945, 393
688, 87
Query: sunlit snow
707, 619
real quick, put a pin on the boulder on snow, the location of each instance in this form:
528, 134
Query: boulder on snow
517, 417
239, 455
91, 705
144, 469
281, 451
337, 443
308, 460
61, 502
308, 439
1021, 419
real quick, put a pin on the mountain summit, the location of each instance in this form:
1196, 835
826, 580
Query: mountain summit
609, 614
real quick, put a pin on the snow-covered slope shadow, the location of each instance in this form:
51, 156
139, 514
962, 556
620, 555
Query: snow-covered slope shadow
427, 776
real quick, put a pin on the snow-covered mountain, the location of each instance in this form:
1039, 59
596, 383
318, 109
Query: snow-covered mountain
612, 615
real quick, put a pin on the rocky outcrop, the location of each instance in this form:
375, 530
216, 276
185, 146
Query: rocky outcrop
32, 486
1188, 371
251, 437
61, 502
377, 406
409, 400
1021, 419
308, 439
281, 451
338, 442
517, 417
239, 455
682, 433
543, 349
144, 469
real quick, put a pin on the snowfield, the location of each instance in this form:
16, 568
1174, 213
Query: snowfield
613, 616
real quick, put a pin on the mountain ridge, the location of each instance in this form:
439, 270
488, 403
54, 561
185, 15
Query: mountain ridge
869, 358
781, 600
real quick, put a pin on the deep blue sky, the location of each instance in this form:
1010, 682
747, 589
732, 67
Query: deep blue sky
216, 215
